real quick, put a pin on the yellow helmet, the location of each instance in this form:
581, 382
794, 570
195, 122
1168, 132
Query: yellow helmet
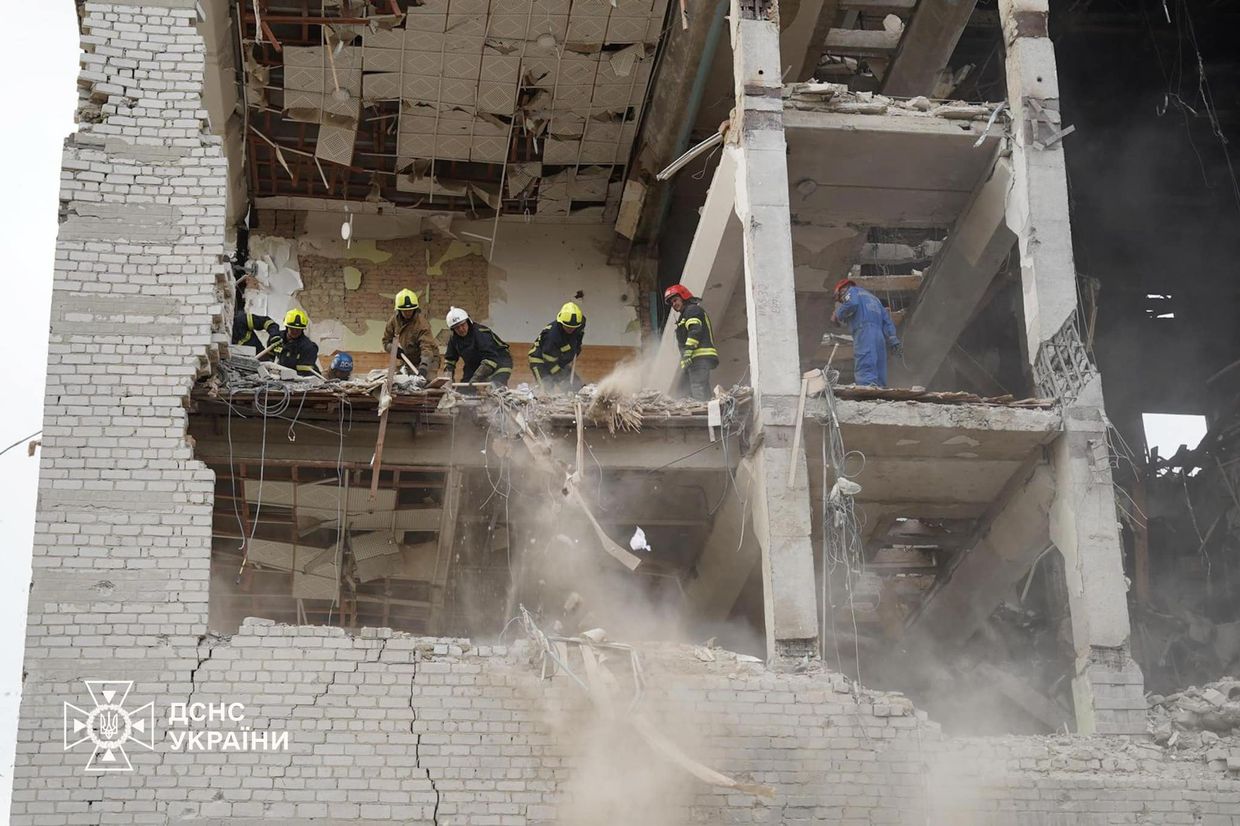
571, 316
406, 300
296, 318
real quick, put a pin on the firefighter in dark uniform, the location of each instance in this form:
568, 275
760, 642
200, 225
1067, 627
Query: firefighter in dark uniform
246, 326
557, 347
294, 348
698, 355
485, 354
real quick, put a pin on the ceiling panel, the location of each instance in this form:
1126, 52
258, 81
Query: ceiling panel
465, 92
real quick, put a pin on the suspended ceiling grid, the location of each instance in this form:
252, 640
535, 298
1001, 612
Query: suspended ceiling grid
451, 104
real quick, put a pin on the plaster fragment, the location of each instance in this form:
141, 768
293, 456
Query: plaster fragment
352, 278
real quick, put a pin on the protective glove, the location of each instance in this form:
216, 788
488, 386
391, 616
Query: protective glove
273, 337
685, 361
424, 367
483, 373
897, 347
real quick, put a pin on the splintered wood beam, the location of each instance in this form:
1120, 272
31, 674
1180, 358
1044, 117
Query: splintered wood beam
447, 540
544, 458
270, 35
377, 462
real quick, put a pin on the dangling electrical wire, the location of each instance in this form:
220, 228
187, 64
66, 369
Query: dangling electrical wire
841, 538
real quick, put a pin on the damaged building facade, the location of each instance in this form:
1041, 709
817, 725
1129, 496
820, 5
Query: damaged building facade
463, 605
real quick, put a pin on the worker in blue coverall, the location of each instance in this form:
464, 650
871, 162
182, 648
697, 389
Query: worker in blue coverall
872, 331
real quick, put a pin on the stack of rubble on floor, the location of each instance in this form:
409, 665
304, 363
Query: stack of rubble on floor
1200, 723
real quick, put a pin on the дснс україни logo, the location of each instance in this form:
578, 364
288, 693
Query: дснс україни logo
109, 726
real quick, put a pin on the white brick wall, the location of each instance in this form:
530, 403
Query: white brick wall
122, 539
382, 727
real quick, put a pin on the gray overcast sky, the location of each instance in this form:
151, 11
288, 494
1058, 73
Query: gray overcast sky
40, 64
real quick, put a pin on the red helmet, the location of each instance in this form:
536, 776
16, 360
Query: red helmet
676, 290
842, 283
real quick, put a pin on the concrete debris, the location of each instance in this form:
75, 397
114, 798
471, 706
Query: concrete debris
1200, 724
837, 97
613, 410
1215, 708
602, 684
920, 394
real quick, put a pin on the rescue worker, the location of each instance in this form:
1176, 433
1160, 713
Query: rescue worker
872, 330
295, 350
246, 326
412, 332
342, 367
557, 347
485, 354
696, 339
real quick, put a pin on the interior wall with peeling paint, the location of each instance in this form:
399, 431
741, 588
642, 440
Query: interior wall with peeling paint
349, 286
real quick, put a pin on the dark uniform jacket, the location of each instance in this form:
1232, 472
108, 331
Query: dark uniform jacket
694, 335
555, 349
246, 325
480, 347
300, 354
415, 338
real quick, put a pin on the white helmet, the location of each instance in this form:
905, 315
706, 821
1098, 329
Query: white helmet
456, 315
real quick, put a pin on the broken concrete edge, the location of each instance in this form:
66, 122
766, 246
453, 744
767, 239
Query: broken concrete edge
661, 657
837, 97
964, 417
990, 757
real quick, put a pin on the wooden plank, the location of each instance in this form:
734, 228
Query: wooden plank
377, 462
447, 541
862, 42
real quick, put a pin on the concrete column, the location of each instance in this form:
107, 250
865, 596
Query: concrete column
781, 513
712, 268
1108, 685
1108, 690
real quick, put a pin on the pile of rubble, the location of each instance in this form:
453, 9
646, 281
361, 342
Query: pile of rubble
837, 97
607, 408
1200, 723
239, 373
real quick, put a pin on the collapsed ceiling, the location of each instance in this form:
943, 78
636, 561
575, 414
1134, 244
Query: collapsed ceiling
529, 107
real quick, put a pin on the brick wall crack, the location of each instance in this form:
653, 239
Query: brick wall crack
417, 741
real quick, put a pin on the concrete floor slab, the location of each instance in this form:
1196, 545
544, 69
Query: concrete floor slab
884, 170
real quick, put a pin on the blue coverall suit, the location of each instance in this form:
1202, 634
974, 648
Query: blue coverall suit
872, 332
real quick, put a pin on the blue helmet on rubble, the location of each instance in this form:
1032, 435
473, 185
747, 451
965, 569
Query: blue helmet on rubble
343, 362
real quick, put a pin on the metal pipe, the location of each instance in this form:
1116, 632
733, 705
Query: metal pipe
678, 164
696, 92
